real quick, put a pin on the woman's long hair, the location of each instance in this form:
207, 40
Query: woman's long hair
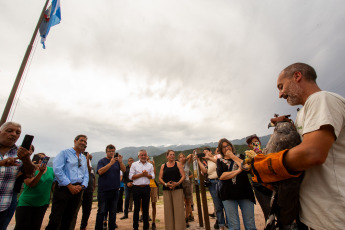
220, 146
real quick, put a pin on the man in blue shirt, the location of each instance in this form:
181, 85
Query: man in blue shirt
72, 176
108, 169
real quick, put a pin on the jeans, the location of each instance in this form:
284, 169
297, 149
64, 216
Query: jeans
128, 194
218, 205
107, 202
247, 208
9, 212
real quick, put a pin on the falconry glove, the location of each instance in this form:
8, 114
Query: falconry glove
270, 168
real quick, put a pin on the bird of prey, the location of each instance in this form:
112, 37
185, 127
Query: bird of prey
285, 198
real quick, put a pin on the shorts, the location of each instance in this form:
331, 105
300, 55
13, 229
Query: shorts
187, 190
154, 194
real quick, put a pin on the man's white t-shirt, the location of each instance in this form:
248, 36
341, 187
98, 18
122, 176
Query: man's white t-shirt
322, 192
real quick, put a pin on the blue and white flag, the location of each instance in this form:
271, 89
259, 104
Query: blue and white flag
52, 17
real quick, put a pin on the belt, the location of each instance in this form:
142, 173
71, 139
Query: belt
77, 183
142, 186
214, 179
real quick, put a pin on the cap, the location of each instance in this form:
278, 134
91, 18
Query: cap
250, 138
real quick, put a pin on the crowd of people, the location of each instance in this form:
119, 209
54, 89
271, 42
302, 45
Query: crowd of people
71, 180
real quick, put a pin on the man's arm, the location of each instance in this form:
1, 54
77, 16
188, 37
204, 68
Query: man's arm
122, 165
10, 161
105, 168
312, 151
58, 167
85, 182
152, 172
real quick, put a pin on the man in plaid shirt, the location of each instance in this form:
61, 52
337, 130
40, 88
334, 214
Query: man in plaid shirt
9, 164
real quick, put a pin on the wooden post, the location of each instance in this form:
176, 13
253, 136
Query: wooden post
198, 202
204, 201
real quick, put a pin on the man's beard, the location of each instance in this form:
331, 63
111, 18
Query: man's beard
294, 95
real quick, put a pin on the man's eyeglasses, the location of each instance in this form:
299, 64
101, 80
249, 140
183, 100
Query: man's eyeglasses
79, 162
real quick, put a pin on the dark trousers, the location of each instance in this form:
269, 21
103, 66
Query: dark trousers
107, 202
63, 208
30, 218
86, 207
141, 194
120, 201
128, 194
6, 219
3, 216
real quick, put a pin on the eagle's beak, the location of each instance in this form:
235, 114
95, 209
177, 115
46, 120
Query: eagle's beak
270, 125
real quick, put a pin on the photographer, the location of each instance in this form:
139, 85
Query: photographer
210, 168
108, 169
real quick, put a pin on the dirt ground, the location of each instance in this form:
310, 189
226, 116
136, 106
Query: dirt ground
127, 223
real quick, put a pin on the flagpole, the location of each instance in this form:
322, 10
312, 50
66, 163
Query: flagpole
21, 69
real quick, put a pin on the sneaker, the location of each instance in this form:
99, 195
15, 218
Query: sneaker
154, 226
124, 217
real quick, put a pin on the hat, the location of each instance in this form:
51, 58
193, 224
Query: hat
250, 138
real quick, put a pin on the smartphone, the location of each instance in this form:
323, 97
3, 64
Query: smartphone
200, 155
45, 160
116, 154
27, 141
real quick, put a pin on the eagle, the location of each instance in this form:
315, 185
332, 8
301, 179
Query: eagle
285, 197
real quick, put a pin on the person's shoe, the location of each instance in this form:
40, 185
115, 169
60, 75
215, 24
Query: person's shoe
154, 226
141, 218
187, 225
212, 215
191, 218
150, 219
124, 217
216, 226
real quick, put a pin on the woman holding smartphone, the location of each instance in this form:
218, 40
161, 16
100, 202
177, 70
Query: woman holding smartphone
35, 198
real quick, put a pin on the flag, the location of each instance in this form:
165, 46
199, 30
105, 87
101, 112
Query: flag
52, 17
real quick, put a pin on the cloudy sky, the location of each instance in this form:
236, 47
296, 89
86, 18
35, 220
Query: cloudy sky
158, 72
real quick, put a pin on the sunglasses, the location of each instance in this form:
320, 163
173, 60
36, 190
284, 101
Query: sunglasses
79, 162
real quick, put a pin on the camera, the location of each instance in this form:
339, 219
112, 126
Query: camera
200, 155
